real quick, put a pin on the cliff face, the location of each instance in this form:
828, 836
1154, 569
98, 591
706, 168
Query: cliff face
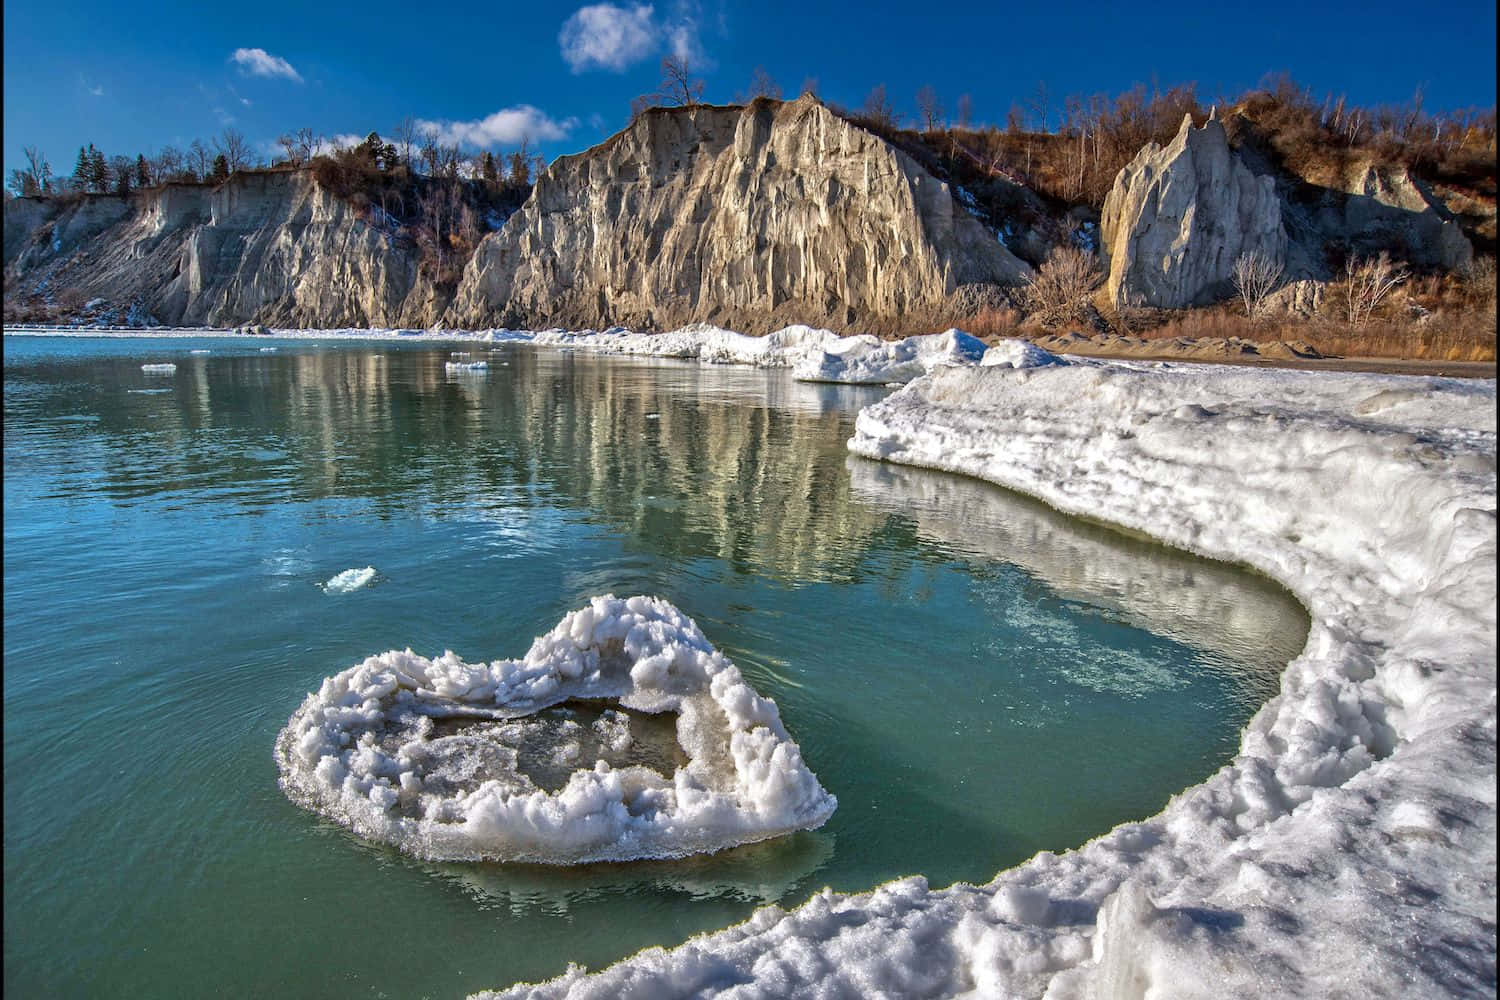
274, 248
1179, 216
750, 218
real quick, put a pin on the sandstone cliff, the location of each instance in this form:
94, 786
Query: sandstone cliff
274, 247
1179, 216
750, 218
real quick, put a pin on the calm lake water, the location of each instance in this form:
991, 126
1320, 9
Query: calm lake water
974, 676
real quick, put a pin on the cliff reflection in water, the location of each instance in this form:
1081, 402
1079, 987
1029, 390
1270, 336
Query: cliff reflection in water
686, 461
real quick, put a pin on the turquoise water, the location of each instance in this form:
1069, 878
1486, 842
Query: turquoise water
975, 677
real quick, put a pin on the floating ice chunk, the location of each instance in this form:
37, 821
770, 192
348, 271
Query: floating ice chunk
267, 350
159, 369
467, 366
350, 580
200, 350
459, 354
397, 721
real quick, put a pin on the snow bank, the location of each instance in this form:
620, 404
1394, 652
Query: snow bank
814, 355
377, 748
1349, 849
350, 580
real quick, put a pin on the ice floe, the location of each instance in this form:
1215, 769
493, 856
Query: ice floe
430, 754
350, 580
466, 366
159, 369
1350, 847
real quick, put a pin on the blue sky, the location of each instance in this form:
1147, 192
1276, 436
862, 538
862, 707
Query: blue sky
131, 77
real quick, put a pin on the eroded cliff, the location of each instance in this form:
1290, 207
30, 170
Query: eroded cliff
747, 217
273, 247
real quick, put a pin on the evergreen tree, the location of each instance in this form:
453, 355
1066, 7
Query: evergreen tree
372, 148
82, 170
142, 171
98, 171
520, 167
487, 167
220, 171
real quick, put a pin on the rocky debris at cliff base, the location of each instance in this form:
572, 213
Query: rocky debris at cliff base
1188, 348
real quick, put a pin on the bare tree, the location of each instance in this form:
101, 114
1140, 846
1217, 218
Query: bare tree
428, 154
677, 83
199, 159
1040, 103
761, 85
878, 108
1255, 277
930, 108
36, 179
965, 110
168, 164
235, 149
1059, 291
300, 145
405, 137
1368, 281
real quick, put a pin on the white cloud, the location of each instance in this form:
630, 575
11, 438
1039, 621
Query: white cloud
505, 127
604, 36
259, 62
344, 140
97, 91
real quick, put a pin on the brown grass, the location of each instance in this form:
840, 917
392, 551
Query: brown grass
1463, 334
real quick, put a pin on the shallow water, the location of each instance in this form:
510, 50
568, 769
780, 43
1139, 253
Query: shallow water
974, 676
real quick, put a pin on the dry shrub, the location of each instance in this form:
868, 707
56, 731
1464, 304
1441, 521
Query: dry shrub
1367, 282
991, 323
1256, 275
1059, 291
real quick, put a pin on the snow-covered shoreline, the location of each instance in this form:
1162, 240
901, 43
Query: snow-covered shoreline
814, 355
1350, 847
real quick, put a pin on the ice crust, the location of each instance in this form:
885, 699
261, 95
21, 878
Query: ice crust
363, 749
813, 354
350, 580
1349, 849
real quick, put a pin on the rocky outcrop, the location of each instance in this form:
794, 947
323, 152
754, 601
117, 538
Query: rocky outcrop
749, 218
1385, 208
1179, 216
274, 247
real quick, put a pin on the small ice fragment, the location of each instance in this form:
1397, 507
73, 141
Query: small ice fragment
199, 350
163, 369
467, 366
653, 416
349, 580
